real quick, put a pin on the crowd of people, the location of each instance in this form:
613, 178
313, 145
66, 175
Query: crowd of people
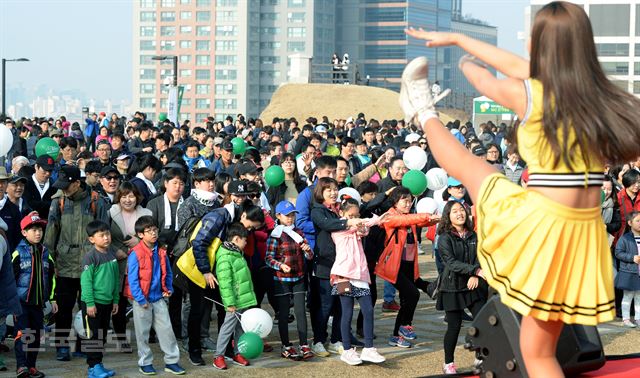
142, 193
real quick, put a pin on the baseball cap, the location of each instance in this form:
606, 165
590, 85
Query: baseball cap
218, 141
238, 187
246, 168
103, 114
16, 179
321, 129
54, 132
68, 174
31, 219
3, 173
479, 150
285, 208
123, 156
108, 169
227, 145
453, 182
45, 162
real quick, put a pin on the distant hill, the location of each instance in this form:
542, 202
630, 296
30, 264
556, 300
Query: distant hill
340, 101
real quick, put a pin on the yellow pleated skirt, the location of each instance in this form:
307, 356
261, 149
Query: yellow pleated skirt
547, 260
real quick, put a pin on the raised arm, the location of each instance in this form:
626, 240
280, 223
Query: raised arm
509, 64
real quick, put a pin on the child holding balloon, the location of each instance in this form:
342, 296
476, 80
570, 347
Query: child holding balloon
236, 291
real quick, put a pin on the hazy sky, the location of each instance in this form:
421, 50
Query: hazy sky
86, 44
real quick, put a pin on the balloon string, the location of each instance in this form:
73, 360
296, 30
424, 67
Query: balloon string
216, 302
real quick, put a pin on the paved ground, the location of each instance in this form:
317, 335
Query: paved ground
425, 358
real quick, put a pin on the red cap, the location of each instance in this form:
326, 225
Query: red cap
31, 219
103, 113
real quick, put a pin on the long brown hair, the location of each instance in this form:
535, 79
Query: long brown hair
577, 93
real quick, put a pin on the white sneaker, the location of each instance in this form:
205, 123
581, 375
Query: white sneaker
336, 347
318, 350
351, 357
421, 251
449, 368
371, 355
415, 91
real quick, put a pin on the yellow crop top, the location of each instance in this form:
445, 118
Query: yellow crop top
539, 156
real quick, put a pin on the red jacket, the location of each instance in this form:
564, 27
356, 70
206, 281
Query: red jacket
145, 263
396, 226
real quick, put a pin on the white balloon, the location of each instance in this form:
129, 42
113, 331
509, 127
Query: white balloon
6, 140
437, 196
257, 320
78, 325
427, 205
437, 179
414, 158
351, 193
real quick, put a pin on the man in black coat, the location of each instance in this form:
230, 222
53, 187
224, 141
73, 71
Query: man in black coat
39, 187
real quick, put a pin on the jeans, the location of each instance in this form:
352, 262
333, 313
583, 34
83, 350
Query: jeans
323, 305
29, 323
366, 309
389, 293
156, 315
374, 298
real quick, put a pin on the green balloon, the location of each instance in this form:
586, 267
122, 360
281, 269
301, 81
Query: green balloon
274, 176
415, 181
250, 345
239, 146
47, 146
162, 117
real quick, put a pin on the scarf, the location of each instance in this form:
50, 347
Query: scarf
148, 183
607, 210
279, 229
167, 213
192, 162
204, 197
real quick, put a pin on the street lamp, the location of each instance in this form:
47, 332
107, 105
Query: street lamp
175, 65
4, 82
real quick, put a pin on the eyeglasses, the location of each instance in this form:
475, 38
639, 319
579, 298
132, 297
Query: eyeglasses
151, 231
112, 178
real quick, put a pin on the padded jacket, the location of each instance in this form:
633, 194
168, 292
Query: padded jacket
460, 260
234, 276
626, 249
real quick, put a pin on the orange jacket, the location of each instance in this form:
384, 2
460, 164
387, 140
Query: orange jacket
396, 226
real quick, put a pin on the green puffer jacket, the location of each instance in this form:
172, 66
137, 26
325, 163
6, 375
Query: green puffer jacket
234, 278
66, 235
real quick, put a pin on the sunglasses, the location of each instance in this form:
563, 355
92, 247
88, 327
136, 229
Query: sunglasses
111, 178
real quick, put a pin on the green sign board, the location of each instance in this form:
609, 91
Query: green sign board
489, 107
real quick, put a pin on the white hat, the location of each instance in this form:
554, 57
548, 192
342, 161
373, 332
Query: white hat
413, 137
321, 129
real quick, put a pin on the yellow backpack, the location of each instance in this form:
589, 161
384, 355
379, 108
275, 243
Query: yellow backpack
187, 261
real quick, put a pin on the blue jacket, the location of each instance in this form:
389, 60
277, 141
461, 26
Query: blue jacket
626, 248
304, 202
155, 289
23, 261
214, 225
92, 128
9, 301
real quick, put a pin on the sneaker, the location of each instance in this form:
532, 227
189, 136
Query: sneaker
62, 354
449, 368
93, 373
351, 357
628, 323
371, 355
407, 332
291, 318
290, 352
421, 251
415, 91
99, 369
207, 344
22, 372
238, 359
466, 317
33, 372
196, 360
336, 348
219, 363
266, 347
476, 363
399, 341
318, 350
392, 306
174, 369
147, 370
305, 352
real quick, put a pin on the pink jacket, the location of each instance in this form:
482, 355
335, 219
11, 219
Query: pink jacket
350, 259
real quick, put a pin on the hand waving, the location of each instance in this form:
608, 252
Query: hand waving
434, 39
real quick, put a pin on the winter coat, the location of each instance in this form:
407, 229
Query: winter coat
460, 260
32, 196
236, 287
304, 204
325, 222
9, 300
395, 227
351, 261
141, 277
25, 280
214, 225
66, 236
626, 249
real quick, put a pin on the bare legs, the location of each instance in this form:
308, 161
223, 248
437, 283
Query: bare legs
538, 342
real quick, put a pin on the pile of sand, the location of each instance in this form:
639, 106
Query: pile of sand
340, 101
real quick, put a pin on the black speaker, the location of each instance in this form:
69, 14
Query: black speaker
494, 336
